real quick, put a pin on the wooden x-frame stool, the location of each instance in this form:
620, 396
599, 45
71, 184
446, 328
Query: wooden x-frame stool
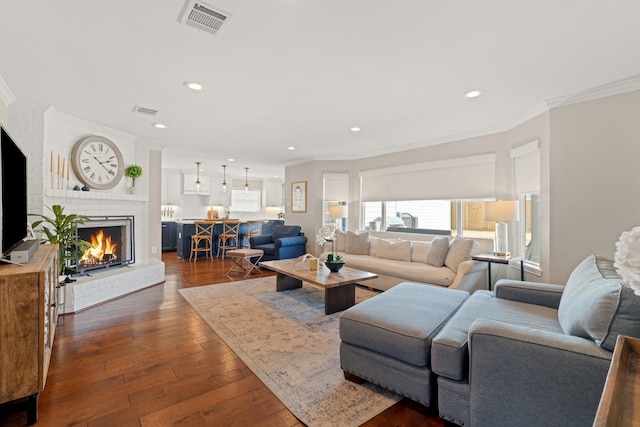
242, 260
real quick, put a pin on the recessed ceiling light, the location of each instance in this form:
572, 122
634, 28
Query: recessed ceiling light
231, 160
474, 93
291, 148
355, 129
159, 126
194, 86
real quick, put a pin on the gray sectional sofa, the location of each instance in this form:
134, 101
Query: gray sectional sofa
527, 354
427, 259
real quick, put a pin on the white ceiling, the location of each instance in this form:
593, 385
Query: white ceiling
303, 72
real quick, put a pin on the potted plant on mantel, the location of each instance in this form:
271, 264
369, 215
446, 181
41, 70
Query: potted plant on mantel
61, 229
133, 171
327, 233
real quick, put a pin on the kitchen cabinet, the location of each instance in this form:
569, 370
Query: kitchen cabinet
169, 236
190, 186
171, 187
29, 312
273, 193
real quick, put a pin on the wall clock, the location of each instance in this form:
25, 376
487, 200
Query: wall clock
97, 162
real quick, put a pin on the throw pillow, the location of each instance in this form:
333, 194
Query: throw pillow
399, 251
280, 231
341, 243
596, 305
420, 251
626, 319
357, 244
438, 251
373, 245
460, 249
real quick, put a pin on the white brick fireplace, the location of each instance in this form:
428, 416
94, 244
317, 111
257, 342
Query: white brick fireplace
44, 134
103, 285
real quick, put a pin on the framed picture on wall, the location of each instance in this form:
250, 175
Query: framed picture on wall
299, 196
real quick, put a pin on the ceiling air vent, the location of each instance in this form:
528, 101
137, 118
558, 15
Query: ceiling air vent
143, 110
204, 17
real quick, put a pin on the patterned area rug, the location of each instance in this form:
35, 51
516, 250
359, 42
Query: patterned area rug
292, 346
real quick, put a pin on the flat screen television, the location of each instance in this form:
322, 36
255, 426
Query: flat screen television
13, 211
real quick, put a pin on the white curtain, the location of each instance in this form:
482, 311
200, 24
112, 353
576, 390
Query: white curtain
458, 178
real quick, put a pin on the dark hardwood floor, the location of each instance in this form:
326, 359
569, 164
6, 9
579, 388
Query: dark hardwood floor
147, 359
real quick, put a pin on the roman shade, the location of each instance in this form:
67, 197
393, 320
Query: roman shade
336, 186
526, 159
457, 178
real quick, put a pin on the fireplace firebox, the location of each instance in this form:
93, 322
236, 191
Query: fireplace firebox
112, 243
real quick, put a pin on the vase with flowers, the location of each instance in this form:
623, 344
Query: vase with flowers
327, 233
627, 258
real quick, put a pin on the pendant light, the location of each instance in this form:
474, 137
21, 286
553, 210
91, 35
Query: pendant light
198, 177
224, 178
246, 179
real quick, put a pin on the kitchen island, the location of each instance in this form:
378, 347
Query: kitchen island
186, 228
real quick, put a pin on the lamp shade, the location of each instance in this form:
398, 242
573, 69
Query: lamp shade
501, 211
338, 211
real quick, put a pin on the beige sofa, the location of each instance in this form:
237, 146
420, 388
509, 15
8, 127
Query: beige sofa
427, 259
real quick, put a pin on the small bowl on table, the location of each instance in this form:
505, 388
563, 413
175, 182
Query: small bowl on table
334, 266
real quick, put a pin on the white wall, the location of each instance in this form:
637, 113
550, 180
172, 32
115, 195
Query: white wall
594, 178
3, 113
309, 220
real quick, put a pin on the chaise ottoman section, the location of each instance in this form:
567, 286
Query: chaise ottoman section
387, 339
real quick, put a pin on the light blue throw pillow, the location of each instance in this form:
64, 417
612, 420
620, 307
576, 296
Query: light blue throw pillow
597, 305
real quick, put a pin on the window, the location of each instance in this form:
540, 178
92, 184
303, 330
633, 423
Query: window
335, 191
526, 163
531, 232
427, 216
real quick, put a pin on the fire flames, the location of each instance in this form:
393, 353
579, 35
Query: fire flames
102, 250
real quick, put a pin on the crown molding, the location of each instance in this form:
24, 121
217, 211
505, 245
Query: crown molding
609, 89
5, 93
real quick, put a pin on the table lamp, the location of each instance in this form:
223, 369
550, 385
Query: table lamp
338, 212
501, 211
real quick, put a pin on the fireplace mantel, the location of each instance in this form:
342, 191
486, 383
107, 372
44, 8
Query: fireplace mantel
98, 195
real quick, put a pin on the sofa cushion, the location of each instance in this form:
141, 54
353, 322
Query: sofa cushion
626, 320
449, 354
420, 251
401, 322
373, 245
357, 243
400, 250
280, 231
597, 305
267, 248
460, 249
410, 271
438, 251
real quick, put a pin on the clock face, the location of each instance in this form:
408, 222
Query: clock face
97, 162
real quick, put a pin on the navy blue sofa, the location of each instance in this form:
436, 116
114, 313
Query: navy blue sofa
284, 242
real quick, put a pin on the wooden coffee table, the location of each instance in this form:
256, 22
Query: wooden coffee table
339, 288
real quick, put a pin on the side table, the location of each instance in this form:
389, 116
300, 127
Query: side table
498, 259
